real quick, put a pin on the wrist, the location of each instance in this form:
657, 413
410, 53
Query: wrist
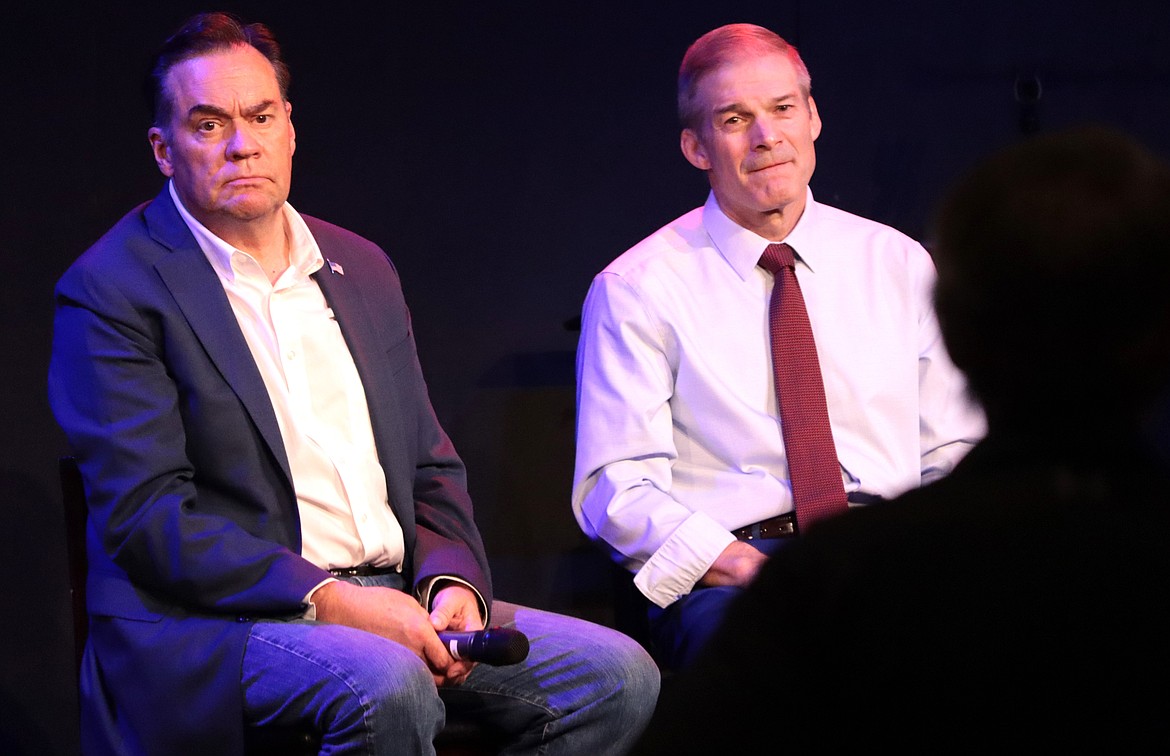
325, 599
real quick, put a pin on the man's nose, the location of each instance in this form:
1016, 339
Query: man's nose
242, 144
765, 134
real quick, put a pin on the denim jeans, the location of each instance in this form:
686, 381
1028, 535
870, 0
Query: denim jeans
584, 689
680, 631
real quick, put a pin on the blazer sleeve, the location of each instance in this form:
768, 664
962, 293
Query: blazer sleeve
185, 501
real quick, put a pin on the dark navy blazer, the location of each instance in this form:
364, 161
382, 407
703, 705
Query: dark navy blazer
193, 528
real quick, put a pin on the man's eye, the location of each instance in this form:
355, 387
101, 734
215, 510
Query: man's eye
205, 126
783, 108
263, 118
733, 120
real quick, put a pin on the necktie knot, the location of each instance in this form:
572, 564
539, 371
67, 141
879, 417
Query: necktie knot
777, 257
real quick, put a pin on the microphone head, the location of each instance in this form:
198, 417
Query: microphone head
500, 646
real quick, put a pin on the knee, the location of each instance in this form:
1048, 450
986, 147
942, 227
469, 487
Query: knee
621, 685
590, 673
631, 674
350, 686
390, 697
395, 680
613, 671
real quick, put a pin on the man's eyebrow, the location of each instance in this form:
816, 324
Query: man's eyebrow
731, 107
735, 107
215, 110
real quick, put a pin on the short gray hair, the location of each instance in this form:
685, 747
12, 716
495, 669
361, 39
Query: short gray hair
720, 46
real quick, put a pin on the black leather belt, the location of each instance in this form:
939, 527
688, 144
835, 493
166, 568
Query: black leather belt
363, 570
781, 526
784, 526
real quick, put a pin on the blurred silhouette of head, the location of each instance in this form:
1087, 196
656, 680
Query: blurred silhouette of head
1054, 282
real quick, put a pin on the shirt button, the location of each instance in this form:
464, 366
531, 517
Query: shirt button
290, 354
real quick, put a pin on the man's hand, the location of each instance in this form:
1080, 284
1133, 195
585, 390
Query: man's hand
456, 607
737, 565
394, 615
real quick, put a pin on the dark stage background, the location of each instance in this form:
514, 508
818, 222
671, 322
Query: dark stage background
502, 153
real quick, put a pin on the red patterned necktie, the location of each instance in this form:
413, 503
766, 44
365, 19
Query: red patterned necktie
815, 474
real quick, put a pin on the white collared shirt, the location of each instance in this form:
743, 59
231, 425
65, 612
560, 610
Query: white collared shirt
678, 434
317, 396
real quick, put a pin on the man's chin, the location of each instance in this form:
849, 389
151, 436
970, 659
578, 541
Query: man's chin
245, 209
779, 201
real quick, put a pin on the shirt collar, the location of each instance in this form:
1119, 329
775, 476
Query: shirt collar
304, 254
742, 248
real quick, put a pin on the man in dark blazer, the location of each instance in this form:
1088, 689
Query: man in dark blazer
240, 386
1019, 604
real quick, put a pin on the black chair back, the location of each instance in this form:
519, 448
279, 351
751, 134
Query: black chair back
73, 499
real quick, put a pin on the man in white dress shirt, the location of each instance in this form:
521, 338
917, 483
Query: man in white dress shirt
681, 465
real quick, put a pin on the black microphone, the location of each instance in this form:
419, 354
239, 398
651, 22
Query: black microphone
495, 646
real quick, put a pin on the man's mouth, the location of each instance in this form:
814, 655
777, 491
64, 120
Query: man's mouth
773, 164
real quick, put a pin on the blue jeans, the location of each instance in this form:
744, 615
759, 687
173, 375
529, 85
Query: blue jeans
584, 689
680, 631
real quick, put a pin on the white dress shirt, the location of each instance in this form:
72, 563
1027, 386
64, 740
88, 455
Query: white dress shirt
318, 398
678, 434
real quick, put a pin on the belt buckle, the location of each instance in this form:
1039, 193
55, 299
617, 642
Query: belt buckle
778, 526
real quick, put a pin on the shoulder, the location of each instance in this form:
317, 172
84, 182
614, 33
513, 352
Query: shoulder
124, 254
130, 236
663, 248
328, 233
355, 253
835, 221
868, 248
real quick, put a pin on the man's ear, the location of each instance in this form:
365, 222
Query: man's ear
292, 132
161, 150
693, 149
814, 118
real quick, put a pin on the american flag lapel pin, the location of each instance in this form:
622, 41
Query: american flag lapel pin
336, 268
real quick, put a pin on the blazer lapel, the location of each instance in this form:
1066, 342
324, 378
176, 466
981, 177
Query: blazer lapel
356, 326
370, 359
200, 296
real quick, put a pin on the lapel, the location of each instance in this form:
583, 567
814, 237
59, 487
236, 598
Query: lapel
359, 328
201, 298
352, 318
361, 336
